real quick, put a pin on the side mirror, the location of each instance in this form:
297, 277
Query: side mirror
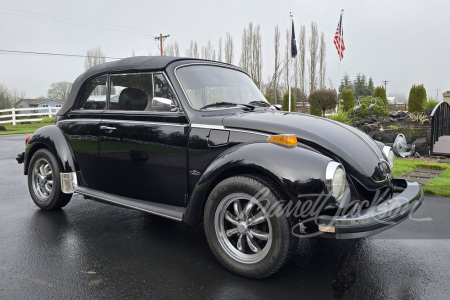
163, 104
278, 106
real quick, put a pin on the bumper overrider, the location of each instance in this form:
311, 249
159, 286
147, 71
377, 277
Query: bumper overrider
376, 218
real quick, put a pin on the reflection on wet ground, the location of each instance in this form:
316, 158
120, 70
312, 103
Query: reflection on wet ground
91, 250
98, 251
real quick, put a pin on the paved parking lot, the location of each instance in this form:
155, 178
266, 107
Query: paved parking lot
91, 250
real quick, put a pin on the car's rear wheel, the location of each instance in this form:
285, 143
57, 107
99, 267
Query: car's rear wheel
44, 182
242, 228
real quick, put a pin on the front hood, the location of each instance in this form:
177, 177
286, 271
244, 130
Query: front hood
353, 148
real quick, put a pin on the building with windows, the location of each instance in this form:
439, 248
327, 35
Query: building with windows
38, 103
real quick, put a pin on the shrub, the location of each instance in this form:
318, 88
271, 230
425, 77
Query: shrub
323, 99
48, 120
267, 98
347, 96
379, 110
380, 92
417, 98
341, 116
316, 111
285, 105
431, 103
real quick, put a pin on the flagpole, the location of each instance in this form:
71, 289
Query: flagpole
289, 59
340, 59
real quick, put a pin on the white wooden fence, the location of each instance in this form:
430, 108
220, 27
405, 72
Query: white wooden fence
38, 112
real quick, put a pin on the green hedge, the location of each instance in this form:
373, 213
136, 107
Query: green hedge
285, 105
379, 110
417, 98
347, 96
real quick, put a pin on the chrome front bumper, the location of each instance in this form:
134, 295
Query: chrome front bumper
376, 218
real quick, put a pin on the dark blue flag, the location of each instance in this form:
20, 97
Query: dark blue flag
293, 43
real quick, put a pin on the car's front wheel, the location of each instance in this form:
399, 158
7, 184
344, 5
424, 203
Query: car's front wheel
44, 182
243, 229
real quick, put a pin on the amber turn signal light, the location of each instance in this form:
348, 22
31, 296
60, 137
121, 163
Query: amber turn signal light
285, 140
27, 139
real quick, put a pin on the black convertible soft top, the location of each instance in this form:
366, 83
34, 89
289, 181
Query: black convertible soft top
136, 63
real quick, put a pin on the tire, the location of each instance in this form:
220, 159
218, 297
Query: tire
241, 233
44, 182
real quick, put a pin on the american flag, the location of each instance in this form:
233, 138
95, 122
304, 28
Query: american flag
339, 38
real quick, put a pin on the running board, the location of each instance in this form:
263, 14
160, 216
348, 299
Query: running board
164, 210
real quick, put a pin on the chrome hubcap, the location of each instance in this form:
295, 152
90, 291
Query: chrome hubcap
243, 228
42, 179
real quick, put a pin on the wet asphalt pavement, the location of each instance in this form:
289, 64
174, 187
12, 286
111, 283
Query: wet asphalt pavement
91, 250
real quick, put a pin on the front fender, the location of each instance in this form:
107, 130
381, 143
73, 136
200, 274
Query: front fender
296, 171
53, 138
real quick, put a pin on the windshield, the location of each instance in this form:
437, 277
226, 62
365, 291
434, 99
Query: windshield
212, 87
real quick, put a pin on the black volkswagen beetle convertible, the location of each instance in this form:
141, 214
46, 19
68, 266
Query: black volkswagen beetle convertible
195, 141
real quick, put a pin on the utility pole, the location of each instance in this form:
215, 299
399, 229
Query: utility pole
161, 38
385, 83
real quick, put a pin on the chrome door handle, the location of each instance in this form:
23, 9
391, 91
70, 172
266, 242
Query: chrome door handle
103, 127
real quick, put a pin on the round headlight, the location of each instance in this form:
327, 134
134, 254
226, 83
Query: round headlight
338, 184
389, 155
391, 158
335, 179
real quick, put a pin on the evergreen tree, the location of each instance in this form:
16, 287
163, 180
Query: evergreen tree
380, 92
347, 96
370, 87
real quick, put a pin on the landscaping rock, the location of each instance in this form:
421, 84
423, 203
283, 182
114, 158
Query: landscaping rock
410, 139
387, 137
393, 114
377, 136
392, 119
402, 114
422, 146
370, 127
374, 118
3, 128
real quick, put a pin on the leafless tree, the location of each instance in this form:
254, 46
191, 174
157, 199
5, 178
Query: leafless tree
94, 57
313, 48
208, 51
59, 90
193, 50
229, 49
322, 63
176, 49
219, 50
301, 57
9, 98
251, 56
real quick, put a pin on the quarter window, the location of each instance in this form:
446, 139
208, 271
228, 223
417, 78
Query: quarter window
94, 94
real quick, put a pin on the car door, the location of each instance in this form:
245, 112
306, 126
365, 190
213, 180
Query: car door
143, 145
81, 128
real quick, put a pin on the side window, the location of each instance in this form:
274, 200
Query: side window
131, 92
94, 94
164, 97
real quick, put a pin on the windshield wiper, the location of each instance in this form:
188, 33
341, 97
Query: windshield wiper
261, 103
252, 107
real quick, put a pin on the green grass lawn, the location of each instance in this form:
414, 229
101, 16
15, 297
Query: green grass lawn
439, 186
22, 128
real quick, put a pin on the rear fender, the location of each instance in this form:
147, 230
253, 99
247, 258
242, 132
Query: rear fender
52, 138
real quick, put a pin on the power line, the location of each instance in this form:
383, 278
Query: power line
67, 18
72, 23
51, 54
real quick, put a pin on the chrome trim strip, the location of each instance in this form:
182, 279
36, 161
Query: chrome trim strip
143, 122
248, 131
69, 182
206, 126
80, 119
129, 206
